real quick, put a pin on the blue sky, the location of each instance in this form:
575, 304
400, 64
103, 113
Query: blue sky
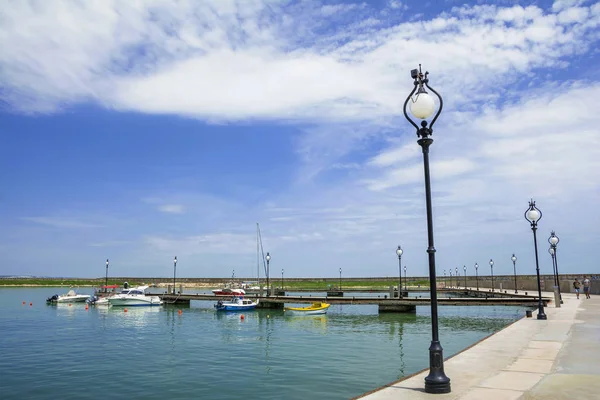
139, 132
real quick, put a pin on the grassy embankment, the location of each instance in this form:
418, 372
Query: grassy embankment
320, 284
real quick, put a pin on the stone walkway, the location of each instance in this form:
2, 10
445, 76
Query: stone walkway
558, 358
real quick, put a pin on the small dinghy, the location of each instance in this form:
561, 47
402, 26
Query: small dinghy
313, 309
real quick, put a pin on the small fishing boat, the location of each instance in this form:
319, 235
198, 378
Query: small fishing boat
70, 297
236, 304
227, 291
313, 309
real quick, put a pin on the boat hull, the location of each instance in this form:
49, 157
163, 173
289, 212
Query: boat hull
315, 309
235, 308
72, 299
129, 302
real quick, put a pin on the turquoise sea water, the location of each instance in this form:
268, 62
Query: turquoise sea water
69, 352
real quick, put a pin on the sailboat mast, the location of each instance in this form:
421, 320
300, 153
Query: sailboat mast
257, 256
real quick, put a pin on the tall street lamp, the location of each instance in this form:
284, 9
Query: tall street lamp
399, 252
106, 280
268, 258
422, 106
465, 273
492, 269
477, 275
514, 260
281, 278
533, 215
174, 272
450, 277
340, 279
405, 280
553, 240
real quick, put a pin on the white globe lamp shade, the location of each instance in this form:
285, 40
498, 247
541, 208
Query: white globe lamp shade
399, 251
533, 215
422, 106
554, 240
268, 257
514, 258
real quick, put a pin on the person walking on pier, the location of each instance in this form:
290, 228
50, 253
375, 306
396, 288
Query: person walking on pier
577, 286
586, 287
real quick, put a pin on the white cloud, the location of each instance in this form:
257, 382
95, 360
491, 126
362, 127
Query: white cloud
172, 208
59, 222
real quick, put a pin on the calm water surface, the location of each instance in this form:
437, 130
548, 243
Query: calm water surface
69, 352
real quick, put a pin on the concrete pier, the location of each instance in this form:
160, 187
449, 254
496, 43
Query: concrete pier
530, 359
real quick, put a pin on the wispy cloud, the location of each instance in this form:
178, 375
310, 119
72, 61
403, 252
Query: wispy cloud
58, 222
172, 208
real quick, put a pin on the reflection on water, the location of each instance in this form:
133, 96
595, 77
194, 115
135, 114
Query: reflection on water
319, 356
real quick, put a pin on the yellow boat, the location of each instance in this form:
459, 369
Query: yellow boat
313, 309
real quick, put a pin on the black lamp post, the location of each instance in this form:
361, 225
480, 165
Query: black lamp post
281, 278
492, 269
514, 260
477, 275
465, 271
533, 215
405, 280
457, 278
450, 277
268, 258
174, 272
399, 252
445, 279
340, 279
422, 106
106, 280
553, 240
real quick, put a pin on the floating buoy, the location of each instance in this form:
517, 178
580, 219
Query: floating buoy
179, 312
23, 303
242, 316
69, 304
125, 310
268, 316
30, 304
86, 307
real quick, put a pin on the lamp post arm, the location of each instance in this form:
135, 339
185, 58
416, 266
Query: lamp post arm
405, 104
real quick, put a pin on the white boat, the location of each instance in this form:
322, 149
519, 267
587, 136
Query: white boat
134, 297
70, 297
236, 304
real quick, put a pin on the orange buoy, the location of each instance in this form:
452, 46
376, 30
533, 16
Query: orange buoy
30, 304
86, 307
125, 310
69, 304
23, 303
179, 312
242, 316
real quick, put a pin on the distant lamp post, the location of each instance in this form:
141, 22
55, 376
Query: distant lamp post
533, 215
232, 274
399, 252
465, 273
281, 278
106, 280
340, 279
445, 279
477, 275
457, 278
422, 106
514, 260
492, 269
553, 240
268, 258
450, 277
405, 280
174, 272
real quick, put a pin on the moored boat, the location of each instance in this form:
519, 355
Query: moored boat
134, 297
70, 297
313, 309
236, 304
229, 292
